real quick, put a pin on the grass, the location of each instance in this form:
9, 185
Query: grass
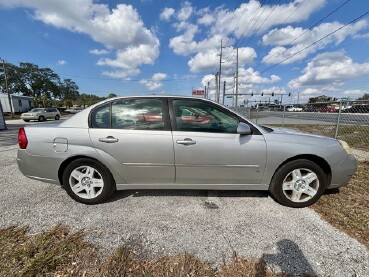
357, 136
348, 210
61, 252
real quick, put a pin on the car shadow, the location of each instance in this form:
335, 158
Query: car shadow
331, 191
289, 259
121, 194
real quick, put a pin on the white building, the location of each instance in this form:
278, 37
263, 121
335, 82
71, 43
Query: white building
20, 103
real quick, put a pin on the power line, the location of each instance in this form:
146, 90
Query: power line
309, 29
249, 31
298, 6
262, 24
315, 42
231, 18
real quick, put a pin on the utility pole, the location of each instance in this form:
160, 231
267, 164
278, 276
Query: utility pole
237, 78
205, 91
7, 91
216, 88
224, 85
220, 65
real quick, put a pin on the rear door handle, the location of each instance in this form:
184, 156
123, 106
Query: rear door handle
186, 141
109, 139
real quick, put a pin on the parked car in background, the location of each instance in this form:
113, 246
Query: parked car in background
357, 109
294, 109
41, 114
328, 110
74, 110
146, 143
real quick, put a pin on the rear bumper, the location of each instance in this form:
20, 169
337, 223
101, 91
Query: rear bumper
342, 172
40, 168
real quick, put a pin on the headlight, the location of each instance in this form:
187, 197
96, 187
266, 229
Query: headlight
345, 146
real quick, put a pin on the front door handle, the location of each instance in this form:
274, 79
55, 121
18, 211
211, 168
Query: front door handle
186, 141
109, 139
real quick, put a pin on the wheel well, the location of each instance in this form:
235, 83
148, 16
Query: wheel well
316, 159
65, 163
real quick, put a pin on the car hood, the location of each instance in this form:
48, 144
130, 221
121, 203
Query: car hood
286, 131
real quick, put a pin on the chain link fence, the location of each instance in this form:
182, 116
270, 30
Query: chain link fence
344, 120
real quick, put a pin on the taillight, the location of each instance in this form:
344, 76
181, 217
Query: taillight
22, 138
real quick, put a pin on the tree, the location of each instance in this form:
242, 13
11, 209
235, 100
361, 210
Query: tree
364, 97
320, 99
69, 92
112, 95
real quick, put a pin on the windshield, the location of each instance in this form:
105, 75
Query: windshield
36, 110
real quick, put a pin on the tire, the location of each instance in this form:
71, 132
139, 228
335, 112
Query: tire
298, 183
57, 117
41, 118
85, 189
26, 120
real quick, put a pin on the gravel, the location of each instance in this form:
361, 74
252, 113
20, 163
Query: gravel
169, 222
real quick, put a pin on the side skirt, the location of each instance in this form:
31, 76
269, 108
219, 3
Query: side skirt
194, 186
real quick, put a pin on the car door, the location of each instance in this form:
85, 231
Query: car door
135, 134
48, 113
209, 151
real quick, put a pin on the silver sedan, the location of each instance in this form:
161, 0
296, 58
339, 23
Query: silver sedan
163, 142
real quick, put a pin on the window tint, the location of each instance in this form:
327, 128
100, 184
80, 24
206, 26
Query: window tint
199, 116
138, 114
100, 117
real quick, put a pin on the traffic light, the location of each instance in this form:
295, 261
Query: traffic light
272, 93
252, 94
262, 94
289, 94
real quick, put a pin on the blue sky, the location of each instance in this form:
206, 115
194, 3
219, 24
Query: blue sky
170, 47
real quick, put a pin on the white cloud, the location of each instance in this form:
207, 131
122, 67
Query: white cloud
132, 57
154, 82
121, 28
166, 14
209, 59
99, 51
62, 62
206, 19
238, 22
285, 37
185, 44
329, 69
214, 25
185, 12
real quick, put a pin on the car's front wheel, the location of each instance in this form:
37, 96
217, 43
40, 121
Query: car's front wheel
41, 118
298, 183
26, 120
88, 181
57, 117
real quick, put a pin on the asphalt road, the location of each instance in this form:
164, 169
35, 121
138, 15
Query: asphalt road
210, 226
313, 117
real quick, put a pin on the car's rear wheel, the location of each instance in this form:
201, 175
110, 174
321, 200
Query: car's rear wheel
41, 118
88, 181
57, 117
298, 183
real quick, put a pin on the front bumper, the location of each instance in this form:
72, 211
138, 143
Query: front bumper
342, 172
29, 117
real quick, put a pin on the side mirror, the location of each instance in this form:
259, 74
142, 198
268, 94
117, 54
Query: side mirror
243, 129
